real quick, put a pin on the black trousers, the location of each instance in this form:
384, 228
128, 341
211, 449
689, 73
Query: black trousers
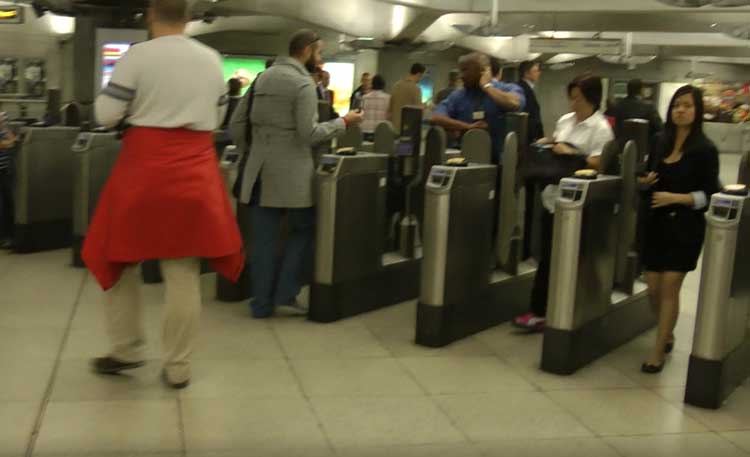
540, 291
7, 204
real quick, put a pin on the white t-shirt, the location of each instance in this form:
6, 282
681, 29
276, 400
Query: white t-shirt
168, 82
589, 137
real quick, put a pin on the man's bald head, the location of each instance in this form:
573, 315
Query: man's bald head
471, 66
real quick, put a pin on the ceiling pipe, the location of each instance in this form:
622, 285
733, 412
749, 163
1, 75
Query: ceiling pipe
495, 12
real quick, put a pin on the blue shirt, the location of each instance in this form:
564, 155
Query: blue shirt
463, 103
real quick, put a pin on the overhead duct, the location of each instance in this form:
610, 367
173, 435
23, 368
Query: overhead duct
593, 46
699, 3
493, 27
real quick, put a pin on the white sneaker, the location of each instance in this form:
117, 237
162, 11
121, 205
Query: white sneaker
292, 309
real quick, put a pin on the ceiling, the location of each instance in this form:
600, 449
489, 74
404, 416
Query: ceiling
650, 27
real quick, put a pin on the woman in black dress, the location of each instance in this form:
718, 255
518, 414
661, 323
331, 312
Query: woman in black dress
683, 173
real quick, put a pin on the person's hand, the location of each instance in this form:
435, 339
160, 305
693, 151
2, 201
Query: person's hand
353, 117
661, 199
481, 125
485, 78
543, 141
562, 148
649, 180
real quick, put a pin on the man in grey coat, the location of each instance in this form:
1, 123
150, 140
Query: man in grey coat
279, 176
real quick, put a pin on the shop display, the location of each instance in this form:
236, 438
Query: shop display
727, 102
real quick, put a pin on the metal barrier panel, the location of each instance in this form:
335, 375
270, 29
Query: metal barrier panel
476, 146
626, 264
44, 185
509, 236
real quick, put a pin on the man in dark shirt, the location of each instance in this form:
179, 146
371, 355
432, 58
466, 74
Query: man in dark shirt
529, 73
453, 79
633, 107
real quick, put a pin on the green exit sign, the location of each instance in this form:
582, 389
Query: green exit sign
11, 15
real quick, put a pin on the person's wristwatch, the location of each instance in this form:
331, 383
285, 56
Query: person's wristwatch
487, 86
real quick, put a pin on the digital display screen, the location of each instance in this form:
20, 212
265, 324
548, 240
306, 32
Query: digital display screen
404, 149
111, 53
246, 68
326, 160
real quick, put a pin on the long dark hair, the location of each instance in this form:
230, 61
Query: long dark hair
696, 129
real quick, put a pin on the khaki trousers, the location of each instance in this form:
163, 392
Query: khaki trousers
124, 316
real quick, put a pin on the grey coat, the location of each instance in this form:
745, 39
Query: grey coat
285, 127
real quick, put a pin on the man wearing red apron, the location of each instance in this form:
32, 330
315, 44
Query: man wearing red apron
165, 198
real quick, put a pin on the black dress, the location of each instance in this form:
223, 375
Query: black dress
673, 235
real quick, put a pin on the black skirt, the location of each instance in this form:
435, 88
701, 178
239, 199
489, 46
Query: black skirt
672, 240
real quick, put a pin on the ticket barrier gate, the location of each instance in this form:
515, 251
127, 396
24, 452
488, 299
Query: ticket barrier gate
44, 189
470, 281
354, 271
95, 156
595, 306
720, 358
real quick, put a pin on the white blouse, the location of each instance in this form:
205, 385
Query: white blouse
589, 137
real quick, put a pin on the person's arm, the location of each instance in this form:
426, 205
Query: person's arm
510, 101
237, 127
114, 101
309, 131
444, 115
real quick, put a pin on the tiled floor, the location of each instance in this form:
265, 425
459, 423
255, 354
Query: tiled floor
360, 388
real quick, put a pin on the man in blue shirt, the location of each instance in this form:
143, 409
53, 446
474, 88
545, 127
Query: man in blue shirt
481, 103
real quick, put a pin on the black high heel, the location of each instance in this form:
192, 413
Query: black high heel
652, 369
669, 347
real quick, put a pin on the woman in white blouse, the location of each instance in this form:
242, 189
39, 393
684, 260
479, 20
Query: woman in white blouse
585, 131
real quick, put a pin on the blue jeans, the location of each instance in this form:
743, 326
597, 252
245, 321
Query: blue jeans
269, 288
6, 204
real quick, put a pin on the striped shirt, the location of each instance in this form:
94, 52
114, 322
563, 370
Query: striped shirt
4, 154
376, 108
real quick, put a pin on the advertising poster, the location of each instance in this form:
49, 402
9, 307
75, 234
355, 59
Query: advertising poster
245, 68
111, 53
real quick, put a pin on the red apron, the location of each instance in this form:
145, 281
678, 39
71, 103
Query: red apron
165, 199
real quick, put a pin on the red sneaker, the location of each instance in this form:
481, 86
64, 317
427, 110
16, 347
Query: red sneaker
530, 322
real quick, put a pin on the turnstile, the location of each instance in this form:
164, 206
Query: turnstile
44, 189
356, 270
226, 290
95, 155
720, 359
472, 275
593, 307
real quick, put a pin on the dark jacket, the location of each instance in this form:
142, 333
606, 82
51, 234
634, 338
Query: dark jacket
699, 173
536, 129
635, 108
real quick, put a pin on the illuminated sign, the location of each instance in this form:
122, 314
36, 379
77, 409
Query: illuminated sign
11, 15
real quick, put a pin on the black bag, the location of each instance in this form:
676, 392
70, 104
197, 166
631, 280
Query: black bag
237, 188
542, 166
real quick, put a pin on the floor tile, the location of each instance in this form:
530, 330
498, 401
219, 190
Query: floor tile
507, 341
740, 439
355, 377
425, 450
629, 358
447, 375
16, 424
301, 339
75, 382
400, 342
113, 426
229, 379
30, 343
354, 422
734, 414
23, 378
625, 412
225, 335
276, 451
687, 445
509, 415
92, 341
259, 425
571, 447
